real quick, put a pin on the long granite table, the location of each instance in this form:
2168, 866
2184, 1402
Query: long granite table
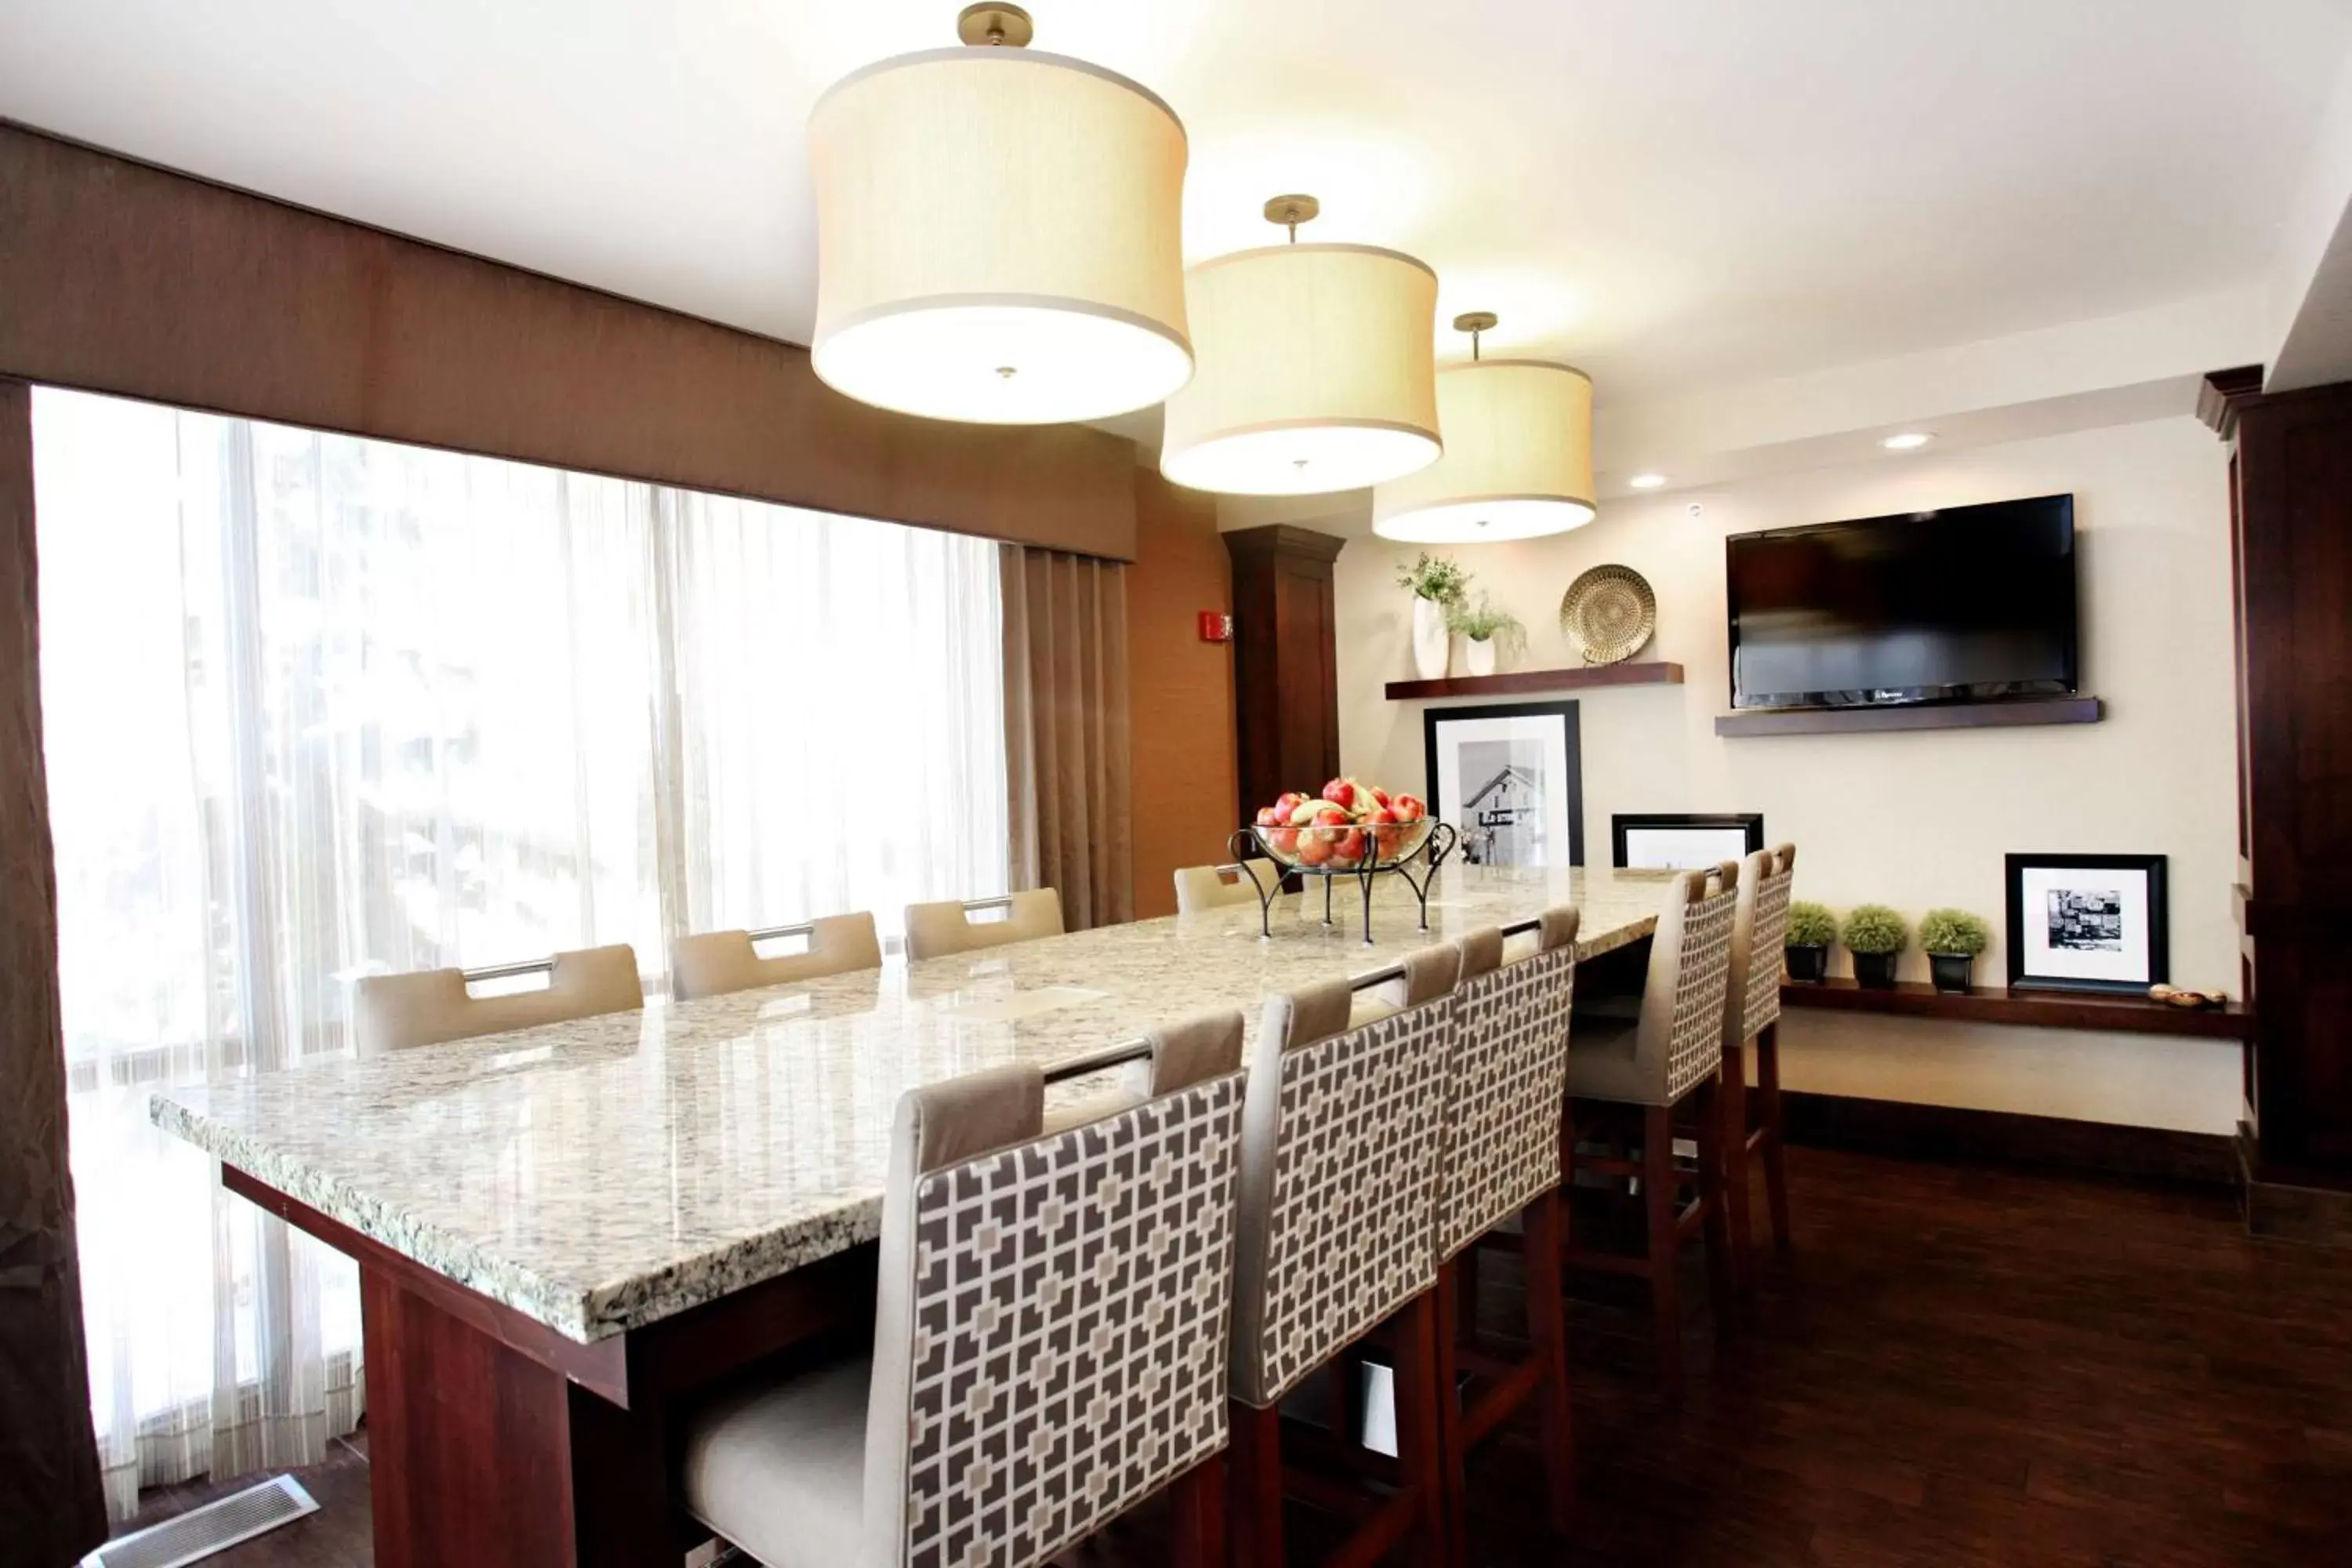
563, 1232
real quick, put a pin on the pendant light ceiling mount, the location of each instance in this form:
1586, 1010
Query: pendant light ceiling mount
1315, 369
982, 25
1000, 233
1518, 453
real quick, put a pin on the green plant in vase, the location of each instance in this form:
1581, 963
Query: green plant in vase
1438, 586
1485, 630
1812, 931
1951, 940
1876, 937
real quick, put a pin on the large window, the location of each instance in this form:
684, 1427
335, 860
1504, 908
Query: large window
318, 707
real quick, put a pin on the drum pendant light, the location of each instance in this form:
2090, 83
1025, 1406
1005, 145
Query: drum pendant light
1316, 368
1519, 454
999, 233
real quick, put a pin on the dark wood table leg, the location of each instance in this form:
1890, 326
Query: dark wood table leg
1735, 1163
481, 1458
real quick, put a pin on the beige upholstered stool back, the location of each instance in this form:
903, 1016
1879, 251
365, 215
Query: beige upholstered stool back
1050, 1333
934, 931
1759, 921
1681, 1036
1506, 1079
1213, 887
397, 1011
714, 962
1338, 1168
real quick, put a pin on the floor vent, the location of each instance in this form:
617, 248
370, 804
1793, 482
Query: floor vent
198, 1533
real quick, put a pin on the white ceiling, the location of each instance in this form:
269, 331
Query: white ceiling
1676, 193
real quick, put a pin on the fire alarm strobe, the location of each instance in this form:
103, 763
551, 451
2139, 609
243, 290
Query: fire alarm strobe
1216, 626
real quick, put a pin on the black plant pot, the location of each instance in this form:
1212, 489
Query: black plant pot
1952, 971
1874, 971
1807, 960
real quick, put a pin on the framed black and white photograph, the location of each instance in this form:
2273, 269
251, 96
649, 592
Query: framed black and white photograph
1682, 841
2087, 923
1509, 777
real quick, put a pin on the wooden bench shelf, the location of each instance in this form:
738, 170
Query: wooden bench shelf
1648, 672
2033, 1009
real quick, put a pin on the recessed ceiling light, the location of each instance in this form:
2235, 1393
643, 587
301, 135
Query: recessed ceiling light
1646, 481
1908, 441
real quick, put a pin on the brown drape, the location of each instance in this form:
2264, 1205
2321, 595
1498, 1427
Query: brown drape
52, 1509
118, 277
1065, 730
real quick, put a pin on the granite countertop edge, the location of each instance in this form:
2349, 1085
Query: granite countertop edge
585, 1314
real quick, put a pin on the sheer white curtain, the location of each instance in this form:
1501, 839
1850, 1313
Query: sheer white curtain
317, 707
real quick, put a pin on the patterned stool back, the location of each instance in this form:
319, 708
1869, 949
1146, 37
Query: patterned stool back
1760, 924
1506, 1079
1051, 1329
1690, 971
1338, 1164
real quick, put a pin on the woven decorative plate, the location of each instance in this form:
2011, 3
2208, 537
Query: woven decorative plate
1608, 614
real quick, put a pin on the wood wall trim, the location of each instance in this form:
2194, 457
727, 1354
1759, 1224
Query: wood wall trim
119, 276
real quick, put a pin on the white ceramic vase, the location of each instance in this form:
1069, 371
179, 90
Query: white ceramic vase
1432, 642
1479, 654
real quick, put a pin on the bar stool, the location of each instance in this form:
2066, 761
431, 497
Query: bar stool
1213, 887
428, 1006
1498, 1156
1049, 1342
1338, 1234
934, 931
1648, 1068
712, 963
1751, 1011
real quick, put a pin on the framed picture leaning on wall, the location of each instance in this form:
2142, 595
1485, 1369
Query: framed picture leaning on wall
2087, 923
1509, 776
1682, 840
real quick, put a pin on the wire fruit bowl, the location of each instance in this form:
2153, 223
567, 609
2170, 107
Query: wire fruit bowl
1328, 851
1343, 847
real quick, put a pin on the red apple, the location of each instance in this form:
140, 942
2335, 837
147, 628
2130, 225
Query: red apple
1341, 792
1379, 795
1408, 808
1332, 816
1268, 816
1314, 848
1351, 847
1284, 840
1383, 834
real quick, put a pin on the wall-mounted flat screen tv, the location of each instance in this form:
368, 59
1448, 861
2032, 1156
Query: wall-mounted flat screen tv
1969, 604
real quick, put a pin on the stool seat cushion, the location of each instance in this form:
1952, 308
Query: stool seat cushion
779, 1467
1604, 1061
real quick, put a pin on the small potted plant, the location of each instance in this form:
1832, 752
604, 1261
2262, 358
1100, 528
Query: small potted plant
1876, 936
1438, 585
1812, 930
1951, 940
1485, 630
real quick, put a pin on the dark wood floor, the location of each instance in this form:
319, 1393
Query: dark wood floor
1960, 1367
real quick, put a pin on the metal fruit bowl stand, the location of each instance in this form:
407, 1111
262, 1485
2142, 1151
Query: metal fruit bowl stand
1370, 850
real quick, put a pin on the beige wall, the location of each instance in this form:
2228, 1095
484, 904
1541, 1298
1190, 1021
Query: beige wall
1913, 820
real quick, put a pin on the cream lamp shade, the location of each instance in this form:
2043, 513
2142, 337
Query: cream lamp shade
1518, 463
1316, 371
998, 238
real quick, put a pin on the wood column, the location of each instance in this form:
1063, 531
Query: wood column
1286, 666
52, 1510
2292, 548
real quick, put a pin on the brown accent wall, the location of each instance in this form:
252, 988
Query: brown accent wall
1181, 691
118, 277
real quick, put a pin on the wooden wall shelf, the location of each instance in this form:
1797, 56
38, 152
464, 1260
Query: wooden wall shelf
1648, 672
2032, 1009
1925, 716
